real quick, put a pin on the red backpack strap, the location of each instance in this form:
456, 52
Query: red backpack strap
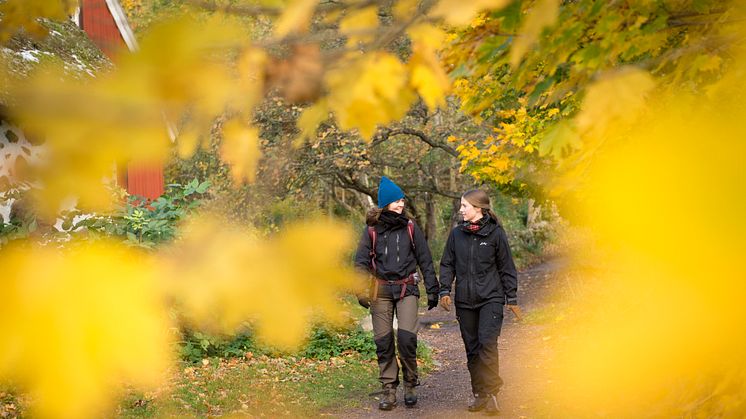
410, 229
372, 253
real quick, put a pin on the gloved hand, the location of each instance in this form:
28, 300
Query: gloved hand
432, 301
364, 301
445, 302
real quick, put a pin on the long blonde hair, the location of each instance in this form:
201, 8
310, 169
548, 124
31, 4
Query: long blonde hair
479, 199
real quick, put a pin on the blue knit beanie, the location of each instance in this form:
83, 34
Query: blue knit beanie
388, 192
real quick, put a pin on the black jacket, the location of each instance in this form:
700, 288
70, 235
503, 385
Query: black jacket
396, 259
482, 265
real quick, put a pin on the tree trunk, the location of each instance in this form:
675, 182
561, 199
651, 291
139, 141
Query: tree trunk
430, 225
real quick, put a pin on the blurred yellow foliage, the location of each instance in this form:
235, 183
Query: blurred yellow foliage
544, 13
78, 323
17, 14
359, 24
296, 17
240, 149
370, 90
428, 77
224, 276
458, 12
661, 332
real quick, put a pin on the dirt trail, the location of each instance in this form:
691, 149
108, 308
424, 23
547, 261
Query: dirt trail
524, 357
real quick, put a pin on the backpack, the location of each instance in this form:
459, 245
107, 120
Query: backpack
372, 233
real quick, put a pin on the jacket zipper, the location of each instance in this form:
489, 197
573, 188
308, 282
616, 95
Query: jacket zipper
397, 247
472, 270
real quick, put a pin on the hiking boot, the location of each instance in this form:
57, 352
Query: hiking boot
479, 402
493, 408
388, 399
410, 397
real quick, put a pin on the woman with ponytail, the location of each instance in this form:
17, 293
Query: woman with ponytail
391, 248
478, 257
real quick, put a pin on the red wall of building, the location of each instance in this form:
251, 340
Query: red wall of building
99, 24
96, 20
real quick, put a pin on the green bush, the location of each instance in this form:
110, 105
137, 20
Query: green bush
324, 342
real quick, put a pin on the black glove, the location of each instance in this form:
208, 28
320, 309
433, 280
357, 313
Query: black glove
432, 301
364, 301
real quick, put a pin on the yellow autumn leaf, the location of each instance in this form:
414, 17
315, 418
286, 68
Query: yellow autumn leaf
459, 12
240, 149
371, 90
309, 120
431, 83
544, 13
428, 36
296, 17
77, 326
614, 101
359, 24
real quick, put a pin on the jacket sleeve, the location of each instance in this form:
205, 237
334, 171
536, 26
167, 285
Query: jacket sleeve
425, 261
362, 256
447, 263
506, 268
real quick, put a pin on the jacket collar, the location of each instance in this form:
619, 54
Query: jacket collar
488, 225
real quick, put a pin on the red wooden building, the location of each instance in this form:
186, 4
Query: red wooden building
106, 24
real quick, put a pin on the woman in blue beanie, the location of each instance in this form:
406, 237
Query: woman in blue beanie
391, 248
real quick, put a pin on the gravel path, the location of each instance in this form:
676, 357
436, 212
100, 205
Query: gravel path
524, 358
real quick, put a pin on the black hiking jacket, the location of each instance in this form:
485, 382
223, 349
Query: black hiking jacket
482, 265
396, 259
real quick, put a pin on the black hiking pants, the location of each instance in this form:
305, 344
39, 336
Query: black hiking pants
383, 310
480, 328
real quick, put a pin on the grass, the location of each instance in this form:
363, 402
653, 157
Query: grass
259, 387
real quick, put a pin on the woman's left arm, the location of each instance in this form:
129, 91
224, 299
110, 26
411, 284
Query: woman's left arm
506, 268
425, 261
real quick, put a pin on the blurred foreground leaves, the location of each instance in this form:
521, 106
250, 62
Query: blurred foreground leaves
76, 323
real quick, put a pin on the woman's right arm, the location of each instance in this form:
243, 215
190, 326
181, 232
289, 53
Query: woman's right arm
447, 269
362, 256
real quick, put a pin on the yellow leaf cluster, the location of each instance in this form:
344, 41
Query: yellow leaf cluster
649, 200
240, 149
280, 284
359, 25
181, 70
76, 327
371, 90
457, 12
428, 77
24, 14
296, 17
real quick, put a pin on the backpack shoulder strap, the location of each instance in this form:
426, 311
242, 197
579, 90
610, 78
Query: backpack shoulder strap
372, 234
410, 229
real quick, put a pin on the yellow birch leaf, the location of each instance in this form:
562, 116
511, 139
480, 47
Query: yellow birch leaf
240, 149
357, 23
460, 12
543, 14
310, 119
431, 83
371, 90
296, 17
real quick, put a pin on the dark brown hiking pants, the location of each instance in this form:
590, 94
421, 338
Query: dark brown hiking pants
382, 311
